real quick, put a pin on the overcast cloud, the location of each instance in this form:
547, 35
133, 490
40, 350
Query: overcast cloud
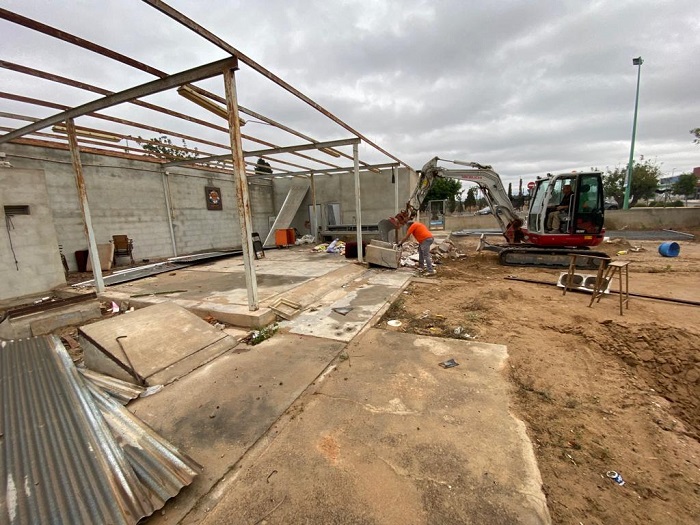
529, 87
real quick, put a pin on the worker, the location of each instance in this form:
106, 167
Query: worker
392, 224
554, 218
424, 239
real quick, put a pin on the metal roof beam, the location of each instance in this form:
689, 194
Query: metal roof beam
330, 171
156, 86
270, 151
211, 37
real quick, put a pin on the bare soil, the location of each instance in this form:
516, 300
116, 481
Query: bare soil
598, 391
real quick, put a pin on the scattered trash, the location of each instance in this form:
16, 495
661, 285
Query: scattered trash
258, 336
617, 478
458, 330
450, 363
345, 310
115, 308
637, 249
335, 247
394, 323
425, 314
622, 252
306, 239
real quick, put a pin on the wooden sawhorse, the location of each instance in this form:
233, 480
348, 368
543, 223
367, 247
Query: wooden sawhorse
569, 279
602, 280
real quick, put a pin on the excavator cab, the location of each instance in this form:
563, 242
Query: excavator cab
579, 197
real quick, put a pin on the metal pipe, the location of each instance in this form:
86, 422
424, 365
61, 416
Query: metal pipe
630, 165
84, 206
395, 179
314, 214
643, 296
169, 210
358, 203
241, 183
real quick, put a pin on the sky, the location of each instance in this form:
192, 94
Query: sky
528, 87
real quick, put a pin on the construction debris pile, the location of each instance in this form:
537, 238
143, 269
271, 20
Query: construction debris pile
438, 251
336, 246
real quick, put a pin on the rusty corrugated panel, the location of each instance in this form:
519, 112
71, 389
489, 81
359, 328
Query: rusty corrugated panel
59, 460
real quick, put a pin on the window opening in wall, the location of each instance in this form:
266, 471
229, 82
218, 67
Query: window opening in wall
21, 209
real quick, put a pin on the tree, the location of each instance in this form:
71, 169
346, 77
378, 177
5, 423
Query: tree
163, 147
510, 191
645, 180
470, 201
696, 132
442, 189
262, 167
687, 186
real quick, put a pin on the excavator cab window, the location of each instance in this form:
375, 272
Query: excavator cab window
589, 205
535, 217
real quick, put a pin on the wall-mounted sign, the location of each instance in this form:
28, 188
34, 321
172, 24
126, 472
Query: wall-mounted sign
213, 196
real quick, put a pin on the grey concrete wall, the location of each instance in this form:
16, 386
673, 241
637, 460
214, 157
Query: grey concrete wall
634, 218
377, 194
32, 237
653, 218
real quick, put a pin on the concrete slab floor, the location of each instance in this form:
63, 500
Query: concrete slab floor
391, 438
220, 410
219, 288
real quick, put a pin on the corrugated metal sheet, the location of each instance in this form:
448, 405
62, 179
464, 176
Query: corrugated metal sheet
59, 460
122, 391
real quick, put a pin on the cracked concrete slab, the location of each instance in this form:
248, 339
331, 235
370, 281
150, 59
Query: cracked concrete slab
366, 295
219, 411
391, 438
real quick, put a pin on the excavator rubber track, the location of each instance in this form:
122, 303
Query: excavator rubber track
549, 257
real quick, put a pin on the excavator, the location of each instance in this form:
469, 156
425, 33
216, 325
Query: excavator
544, 240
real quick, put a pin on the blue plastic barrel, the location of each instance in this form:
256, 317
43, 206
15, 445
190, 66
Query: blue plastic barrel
669, 249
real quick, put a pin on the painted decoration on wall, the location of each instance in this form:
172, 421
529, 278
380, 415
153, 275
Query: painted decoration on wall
213, 195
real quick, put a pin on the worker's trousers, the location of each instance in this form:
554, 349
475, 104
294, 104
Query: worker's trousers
424, 258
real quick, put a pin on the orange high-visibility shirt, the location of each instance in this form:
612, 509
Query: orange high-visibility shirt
419, 231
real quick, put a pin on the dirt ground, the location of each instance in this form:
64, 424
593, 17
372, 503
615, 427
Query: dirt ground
598, 391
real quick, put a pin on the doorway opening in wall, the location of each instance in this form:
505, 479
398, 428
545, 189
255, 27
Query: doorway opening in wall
332, 214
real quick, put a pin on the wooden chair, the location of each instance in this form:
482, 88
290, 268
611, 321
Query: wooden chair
123, 247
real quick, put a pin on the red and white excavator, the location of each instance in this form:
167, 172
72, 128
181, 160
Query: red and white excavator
533, 242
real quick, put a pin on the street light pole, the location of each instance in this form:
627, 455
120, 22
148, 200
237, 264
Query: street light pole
630, 165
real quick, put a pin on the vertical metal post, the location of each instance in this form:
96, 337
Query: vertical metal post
358, 204
395, 178
314, 213
169, 210
630, 165
84, 206
241, 183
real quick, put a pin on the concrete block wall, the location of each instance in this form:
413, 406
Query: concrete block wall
32, 237
128, 197
377, 195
